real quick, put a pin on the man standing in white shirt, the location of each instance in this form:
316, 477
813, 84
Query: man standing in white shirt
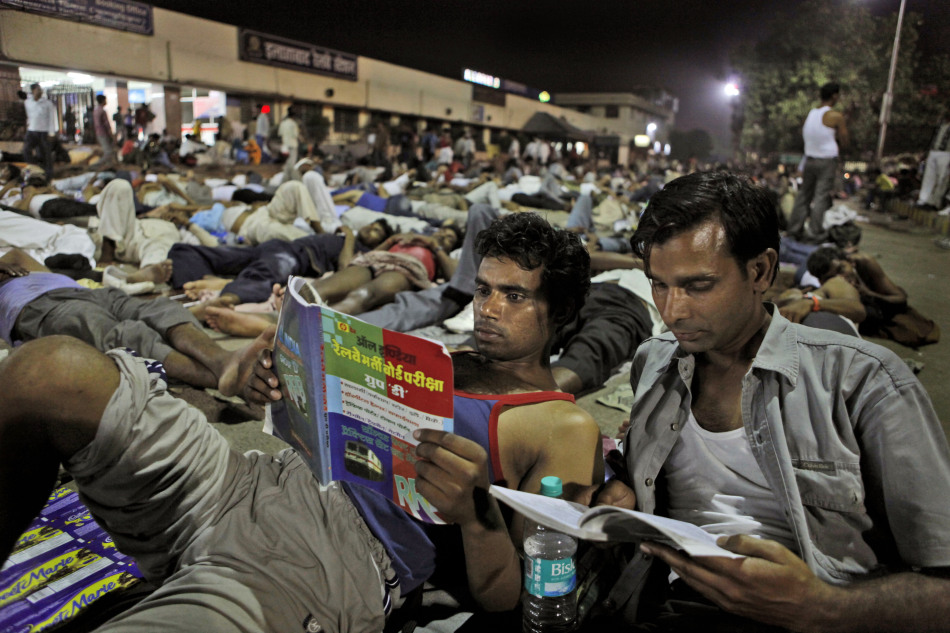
262, 131
289, 133
41, 126
104, 134
514, 150
933, 188
823, 131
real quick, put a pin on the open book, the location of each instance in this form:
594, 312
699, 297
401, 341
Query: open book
608, 523
353, 393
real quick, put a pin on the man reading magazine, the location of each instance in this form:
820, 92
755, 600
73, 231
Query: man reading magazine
817, 455
252, 542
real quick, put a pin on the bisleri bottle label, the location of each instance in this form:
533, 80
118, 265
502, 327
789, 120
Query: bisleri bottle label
549, 578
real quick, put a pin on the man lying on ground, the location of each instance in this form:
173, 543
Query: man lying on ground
835, 305
253, 542
35, 303
125, 238
401, 262
198, 269
882, 302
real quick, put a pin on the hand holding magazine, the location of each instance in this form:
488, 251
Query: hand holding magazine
609, 523
353, 394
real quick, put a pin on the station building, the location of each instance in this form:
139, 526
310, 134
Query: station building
190, 72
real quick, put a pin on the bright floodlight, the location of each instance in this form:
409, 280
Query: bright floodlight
651, 127
731, 89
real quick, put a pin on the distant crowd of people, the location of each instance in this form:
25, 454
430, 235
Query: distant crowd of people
813, 457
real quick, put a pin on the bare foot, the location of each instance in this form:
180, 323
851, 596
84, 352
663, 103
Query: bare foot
240, 365
229, 321
204, 296
193, 288
227, 300
266, 306
157, 273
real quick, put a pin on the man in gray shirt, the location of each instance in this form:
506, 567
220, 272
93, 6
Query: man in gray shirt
816, 456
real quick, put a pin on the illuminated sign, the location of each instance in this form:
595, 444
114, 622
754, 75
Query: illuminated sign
505, 85
481, 78
641, 140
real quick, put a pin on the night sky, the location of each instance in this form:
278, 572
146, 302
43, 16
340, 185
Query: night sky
558, 46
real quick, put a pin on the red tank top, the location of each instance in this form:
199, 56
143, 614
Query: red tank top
421, 253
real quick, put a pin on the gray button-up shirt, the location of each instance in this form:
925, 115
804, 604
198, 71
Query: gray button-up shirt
844, 433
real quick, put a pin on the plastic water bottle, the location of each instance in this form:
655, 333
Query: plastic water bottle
550, 580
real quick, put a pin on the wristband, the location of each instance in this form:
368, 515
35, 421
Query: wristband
816, 304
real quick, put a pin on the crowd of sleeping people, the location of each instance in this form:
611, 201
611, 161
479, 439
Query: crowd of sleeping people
694, 274
368, 241
379, 245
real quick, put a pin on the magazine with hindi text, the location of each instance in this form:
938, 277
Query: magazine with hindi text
353, 393
609, 523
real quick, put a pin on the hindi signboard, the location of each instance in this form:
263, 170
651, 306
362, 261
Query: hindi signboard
123, 15
261, 48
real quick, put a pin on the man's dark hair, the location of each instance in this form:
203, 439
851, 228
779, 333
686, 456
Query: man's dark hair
529, 241
829, 90
386, 175
34, 86
35, 180
822, 261
12, 170
100, 99
746, 211
386, 226
457, 227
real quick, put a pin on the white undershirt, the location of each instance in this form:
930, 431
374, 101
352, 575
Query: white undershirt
37, 201
223, 192
230, 215
716, 483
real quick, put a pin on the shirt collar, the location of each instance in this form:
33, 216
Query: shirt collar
778, 351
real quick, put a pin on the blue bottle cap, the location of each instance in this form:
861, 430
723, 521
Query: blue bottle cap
551, 486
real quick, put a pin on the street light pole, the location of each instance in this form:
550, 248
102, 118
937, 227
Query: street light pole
889, 95
732, 91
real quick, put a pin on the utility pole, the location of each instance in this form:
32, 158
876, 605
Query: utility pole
889, 95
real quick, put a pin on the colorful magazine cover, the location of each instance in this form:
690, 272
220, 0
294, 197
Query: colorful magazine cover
353, 393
